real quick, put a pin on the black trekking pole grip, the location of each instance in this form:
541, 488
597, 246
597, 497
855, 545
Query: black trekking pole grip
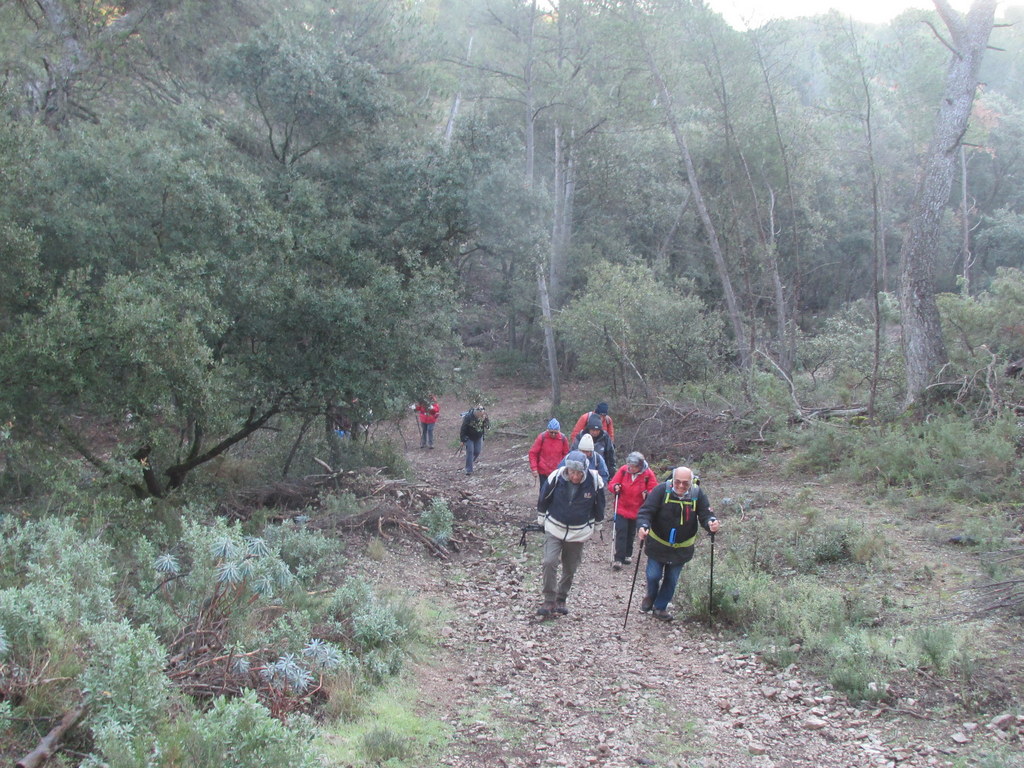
639, 557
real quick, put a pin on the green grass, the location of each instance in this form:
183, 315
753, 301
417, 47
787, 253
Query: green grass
389, 731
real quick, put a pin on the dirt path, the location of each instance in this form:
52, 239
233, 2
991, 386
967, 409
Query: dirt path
580, 690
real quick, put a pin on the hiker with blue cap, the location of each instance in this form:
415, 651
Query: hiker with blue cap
548, 450
571, 503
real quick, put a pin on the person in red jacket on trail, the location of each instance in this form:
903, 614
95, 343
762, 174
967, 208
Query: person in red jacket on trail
548, 450
606, 422
631, 484
427, 414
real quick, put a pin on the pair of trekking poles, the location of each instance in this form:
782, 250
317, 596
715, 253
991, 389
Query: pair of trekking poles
711, 580
533, 527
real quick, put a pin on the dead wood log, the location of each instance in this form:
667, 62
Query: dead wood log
48, 744
835, 413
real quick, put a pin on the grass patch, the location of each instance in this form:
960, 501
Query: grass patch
388, 731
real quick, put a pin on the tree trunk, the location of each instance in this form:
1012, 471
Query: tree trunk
923, 348
453, 113
732, 306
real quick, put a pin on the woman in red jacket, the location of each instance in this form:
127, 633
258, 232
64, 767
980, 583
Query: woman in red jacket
427, 414
548, 450
630, 485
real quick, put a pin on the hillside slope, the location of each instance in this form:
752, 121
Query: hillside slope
586, 690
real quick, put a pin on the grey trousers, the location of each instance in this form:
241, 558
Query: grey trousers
570, 554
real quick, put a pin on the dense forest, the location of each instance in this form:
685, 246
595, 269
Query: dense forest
233, 225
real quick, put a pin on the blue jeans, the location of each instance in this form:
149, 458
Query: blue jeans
661, 582
426, 435
473, 450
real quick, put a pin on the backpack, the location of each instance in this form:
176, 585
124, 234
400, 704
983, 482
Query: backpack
565, 440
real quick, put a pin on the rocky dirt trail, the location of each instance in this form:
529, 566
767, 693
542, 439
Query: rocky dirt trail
582, 690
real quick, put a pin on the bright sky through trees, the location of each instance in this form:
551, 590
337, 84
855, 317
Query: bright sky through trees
744, 13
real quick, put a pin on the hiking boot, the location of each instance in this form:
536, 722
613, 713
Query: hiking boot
546, 609
662, 615
560, 608
628, 561
616, 566
646, 604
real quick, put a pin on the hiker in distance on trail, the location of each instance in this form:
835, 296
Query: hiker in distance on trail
601, 411
571, 503
667, 522
427, 411
631, 485
471, 434
550, 447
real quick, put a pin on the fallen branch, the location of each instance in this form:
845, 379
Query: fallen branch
48, 744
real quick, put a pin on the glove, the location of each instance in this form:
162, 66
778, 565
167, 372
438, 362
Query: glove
617, 488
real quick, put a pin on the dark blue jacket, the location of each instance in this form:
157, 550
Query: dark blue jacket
572, 508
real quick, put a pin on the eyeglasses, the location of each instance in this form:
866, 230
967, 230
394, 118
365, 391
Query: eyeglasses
683, 483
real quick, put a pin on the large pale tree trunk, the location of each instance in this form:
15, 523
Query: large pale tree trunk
543, 293
923, 348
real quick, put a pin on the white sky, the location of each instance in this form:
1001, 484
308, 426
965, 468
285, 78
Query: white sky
744, 13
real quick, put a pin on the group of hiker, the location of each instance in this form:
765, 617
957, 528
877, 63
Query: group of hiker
573, 478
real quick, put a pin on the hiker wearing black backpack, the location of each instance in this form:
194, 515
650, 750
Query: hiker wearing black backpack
601, 442
601, 411
474, 424
571, 502
667, 527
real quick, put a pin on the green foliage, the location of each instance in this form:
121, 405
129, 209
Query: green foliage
438, 520
378, 628
309, 554
836, 362
232, 732
636, 327
947, 455
982, 336
383, 744
124, 681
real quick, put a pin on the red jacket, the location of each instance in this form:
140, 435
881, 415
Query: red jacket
547, 453
427, 414
581, 425
634, 489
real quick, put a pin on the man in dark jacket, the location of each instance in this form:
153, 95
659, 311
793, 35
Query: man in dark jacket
603, 444
667, 524
570, 503
471, 434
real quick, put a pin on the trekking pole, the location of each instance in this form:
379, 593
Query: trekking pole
711, 582
639, 557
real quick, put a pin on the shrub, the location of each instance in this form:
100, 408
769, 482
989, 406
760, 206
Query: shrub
124, 680
438, 520
949, 455
378, 628
233, 733
308, 553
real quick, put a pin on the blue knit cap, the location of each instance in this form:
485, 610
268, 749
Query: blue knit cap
602, 408
553, 424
